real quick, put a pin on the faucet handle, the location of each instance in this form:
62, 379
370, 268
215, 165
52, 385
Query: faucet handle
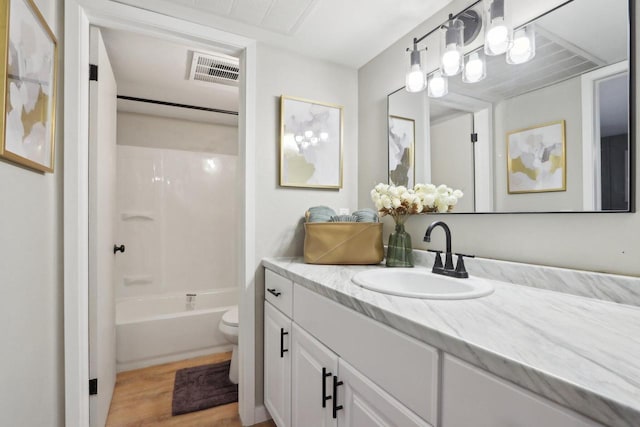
460, 269
438, 261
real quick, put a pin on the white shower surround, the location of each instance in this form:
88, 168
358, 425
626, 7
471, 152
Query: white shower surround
177, 218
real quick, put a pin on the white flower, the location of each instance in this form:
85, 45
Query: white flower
429, 200
386, 201
401, 200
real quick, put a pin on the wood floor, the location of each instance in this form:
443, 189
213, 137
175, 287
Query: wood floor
143, 398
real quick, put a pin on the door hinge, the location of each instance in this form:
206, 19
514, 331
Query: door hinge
474, 137
93, 72
93, 386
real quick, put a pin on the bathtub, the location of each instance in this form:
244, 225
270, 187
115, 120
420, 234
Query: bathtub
160, 329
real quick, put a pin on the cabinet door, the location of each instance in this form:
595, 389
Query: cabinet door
364, 404
277, 365
312, 368
472, 397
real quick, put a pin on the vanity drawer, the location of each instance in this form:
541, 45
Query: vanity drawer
278, 291
404, 367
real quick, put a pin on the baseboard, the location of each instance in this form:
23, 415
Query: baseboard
261, 414
139, 364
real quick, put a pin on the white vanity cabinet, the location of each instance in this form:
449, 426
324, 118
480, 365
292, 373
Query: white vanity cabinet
353, 378
277, 365
473, 397
329, 392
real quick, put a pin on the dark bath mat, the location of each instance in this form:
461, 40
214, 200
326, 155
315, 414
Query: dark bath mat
203, 387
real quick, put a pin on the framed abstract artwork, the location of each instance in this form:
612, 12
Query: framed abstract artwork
29, 57
402, 137
536, 160
310, 144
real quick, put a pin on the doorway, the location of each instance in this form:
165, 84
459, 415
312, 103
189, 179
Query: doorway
79, 15
159, 234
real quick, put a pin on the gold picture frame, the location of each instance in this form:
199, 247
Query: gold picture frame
311, 139
401, 151
29, 58
536, 159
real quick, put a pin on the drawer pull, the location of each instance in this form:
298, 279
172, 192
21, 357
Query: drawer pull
282, 349
336, 407
325, 374
274, 292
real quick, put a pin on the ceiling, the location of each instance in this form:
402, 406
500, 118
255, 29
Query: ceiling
348, 32
154, 69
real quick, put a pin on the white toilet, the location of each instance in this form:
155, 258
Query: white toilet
229, 327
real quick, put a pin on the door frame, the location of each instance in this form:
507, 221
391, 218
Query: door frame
79, 15
591, 191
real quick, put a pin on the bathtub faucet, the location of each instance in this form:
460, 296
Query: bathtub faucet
191, 301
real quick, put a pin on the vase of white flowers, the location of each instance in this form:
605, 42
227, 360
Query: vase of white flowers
401, 202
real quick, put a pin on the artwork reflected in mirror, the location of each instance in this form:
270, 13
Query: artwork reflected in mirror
579, 75
401, 151
535, 159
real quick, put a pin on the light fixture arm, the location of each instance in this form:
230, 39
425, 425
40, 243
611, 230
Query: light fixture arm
451, 16
415, 52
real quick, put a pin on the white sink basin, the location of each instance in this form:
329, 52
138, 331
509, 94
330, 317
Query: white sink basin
421, 283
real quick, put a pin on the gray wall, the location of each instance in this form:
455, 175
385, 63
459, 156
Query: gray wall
452, 157
142, 130
598, 242
31, 284
550, 104
279, 211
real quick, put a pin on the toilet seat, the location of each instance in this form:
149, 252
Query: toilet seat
230, 317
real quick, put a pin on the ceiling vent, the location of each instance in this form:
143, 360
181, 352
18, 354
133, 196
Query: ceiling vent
213, 68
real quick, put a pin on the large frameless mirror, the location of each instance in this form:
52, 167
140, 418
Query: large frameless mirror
545, 129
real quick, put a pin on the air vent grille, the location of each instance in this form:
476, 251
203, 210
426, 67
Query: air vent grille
214, 68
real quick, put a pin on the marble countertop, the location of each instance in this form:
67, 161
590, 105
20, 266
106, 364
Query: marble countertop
580, 352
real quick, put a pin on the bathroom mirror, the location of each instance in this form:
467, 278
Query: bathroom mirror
568, 108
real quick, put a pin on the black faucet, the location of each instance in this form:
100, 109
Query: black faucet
447, 270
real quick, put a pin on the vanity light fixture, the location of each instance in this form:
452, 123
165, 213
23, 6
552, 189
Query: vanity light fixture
461, 30
416, 79
437, 85
524, 46
475, 66
498, 34
452, 36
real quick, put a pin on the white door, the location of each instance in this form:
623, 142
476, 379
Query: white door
102, 202
364, 404
277, 365
313, 366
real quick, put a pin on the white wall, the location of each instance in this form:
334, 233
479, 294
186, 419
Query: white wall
549, 104
189, 245
598, 242
31, 282
279, 211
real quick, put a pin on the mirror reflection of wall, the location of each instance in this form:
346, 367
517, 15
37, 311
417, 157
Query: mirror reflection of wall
579, 75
